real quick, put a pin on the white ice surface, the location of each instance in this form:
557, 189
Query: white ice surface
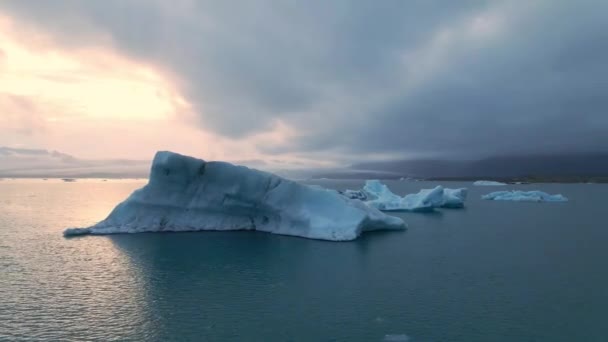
188, 194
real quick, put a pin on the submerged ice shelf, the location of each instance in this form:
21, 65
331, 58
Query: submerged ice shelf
189, 194
524, 196
379, 196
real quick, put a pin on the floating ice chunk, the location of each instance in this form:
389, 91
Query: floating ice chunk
524, 196
425, 199
454, 198
379, 196
188, 194
488, 183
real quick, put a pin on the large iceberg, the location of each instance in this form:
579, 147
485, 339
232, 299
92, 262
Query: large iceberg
488, 183
188, 194
524, 196
379, 196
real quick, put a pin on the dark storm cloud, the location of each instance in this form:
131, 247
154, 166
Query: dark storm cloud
353, 77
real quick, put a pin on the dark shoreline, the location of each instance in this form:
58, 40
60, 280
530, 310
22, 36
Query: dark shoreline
508, 180
529, 179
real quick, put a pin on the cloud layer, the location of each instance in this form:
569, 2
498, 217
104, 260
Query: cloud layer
358, 79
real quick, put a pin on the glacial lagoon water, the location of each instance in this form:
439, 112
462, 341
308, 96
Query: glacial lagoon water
498, 271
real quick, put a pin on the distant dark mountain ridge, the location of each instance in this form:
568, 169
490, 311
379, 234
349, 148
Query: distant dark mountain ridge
584, 167
22, 162
571, 165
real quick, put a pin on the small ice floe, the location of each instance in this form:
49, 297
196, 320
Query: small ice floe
488, 183
524, 196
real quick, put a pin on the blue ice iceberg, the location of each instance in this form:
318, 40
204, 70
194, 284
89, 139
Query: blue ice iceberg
524, 196
377, 195
188, 194
454, 198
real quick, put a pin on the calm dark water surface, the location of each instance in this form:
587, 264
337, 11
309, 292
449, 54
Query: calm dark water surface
495, 271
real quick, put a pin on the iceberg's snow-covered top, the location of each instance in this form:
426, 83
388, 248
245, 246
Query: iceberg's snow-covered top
524, 196
379, 196
188, 194
488, 183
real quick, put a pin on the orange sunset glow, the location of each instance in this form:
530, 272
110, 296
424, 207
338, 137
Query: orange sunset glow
111, 104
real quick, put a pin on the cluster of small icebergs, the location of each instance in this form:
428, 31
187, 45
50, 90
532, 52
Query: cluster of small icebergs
189, 194
379, 196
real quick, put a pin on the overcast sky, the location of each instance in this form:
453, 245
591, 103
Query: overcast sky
304, 81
